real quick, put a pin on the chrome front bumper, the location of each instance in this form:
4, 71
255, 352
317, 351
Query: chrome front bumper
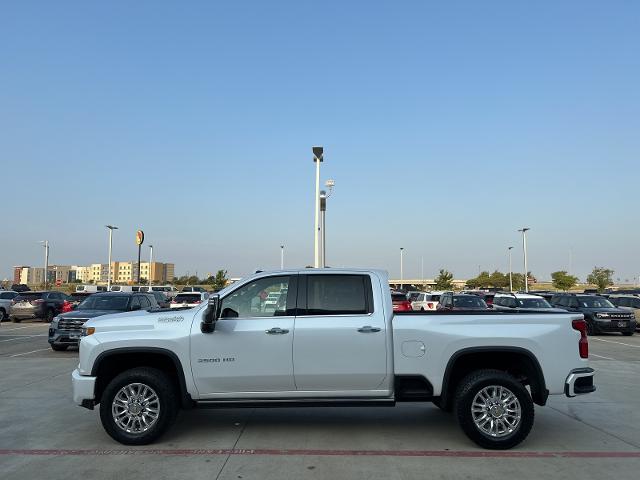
579, 382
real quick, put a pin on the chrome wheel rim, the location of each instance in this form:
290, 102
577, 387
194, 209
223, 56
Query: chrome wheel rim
135, 408
496, 411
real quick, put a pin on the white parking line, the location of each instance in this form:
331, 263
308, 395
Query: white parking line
593, 355
611, 341
20, 328
23, 337
27, 353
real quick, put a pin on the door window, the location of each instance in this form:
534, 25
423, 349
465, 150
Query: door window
135, 303
265, 297
338, 295
146, 304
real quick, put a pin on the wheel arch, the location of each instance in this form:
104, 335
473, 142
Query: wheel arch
111, 363
518, 361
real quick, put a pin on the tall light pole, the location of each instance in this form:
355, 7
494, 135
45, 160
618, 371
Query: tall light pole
510, 272
45, 244
524, 249
401, 267
281, 257
111, 229
317, 158
323, 237
150, 264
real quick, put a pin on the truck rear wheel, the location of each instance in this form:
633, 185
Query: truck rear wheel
138, 406
494, 409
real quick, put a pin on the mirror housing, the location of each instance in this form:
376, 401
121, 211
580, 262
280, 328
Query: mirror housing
211, 314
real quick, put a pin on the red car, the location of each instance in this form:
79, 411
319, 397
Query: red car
400, 302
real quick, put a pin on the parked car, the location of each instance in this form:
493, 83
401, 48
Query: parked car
123, 288
91, 288
5, 303
413, 294
599, 313
343, 346
400, 302
486, 295
627, 302
44, 305
524, 302
193, 289
20, 287
461, 302
66, 329
189, 299
74, 300
426, 301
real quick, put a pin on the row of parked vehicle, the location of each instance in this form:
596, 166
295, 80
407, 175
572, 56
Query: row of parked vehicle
609, 312
45, 305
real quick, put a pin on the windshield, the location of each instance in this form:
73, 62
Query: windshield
398, 297
595, 302
105, 302
470, 301
534, 303
27, 296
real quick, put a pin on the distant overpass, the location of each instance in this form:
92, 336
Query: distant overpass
424, 282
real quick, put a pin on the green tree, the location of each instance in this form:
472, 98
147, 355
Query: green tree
444, 281
220, 280
563, 281
601, 277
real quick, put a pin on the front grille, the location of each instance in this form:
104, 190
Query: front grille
72, 324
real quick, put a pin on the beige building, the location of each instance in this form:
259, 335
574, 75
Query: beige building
127, 272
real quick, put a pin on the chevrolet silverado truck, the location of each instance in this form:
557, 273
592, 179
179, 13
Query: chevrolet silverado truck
332, 339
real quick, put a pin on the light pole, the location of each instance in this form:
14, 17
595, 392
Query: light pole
524, 249
510, 272
111, 229
150, 264
317, 158
323, 237
281, 257
401, 267
45, 244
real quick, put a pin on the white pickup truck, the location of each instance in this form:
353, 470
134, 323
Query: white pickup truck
331, 339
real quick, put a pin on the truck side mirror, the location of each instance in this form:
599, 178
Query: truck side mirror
211, 314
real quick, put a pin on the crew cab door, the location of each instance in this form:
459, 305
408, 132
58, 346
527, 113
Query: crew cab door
250, 348
340, 335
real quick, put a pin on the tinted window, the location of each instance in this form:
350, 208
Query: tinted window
144, 301
534, 303
135, 303
397, 297
338, 294
105, 302
28, 296
8, 295
468, 301
250, 300
188, 297
595, 302
434, 298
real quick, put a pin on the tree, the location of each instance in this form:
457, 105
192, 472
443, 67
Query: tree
220, 280
601, 277
563, 281
444, 281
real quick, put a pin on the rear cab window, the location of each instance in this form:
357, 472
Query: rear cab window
339, 294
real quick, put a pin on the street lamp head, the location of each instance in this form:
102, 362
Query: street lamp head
111, 227
509, 248
401, 248
524, 229
281, 246
317, 153
330, 183
150, 246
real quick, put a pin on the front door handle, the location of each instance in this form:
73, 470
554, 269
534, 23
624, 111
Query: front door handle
276, 331
368, 329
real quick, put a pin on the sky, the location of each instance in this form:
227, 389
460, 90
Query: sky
446, 126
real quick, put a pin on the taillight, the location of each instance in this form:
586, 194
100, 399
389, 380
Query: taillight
430, 305
583, 343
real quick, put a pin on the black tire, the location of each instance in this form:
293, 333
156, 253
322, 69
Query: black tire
16, 320
474, 383
167, 400
627, 334
441, 405
590, 328
59, 348
48, 316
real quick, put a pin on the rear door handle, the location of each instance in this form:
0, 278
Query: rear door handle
368, 329
276, 331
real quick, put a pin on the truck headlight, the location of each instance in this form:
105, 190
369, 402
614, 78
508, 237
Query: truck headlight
88, 331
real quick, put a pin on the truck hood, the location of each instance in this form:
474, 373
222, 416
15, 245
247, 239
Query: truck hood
85, 314
140, 320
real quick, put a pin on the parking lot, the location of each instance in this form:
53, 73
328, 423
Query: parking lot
44, 434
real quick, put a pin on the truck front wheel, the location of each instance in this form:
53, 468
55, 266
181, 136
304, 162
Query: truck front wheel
494, 409
138, 406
